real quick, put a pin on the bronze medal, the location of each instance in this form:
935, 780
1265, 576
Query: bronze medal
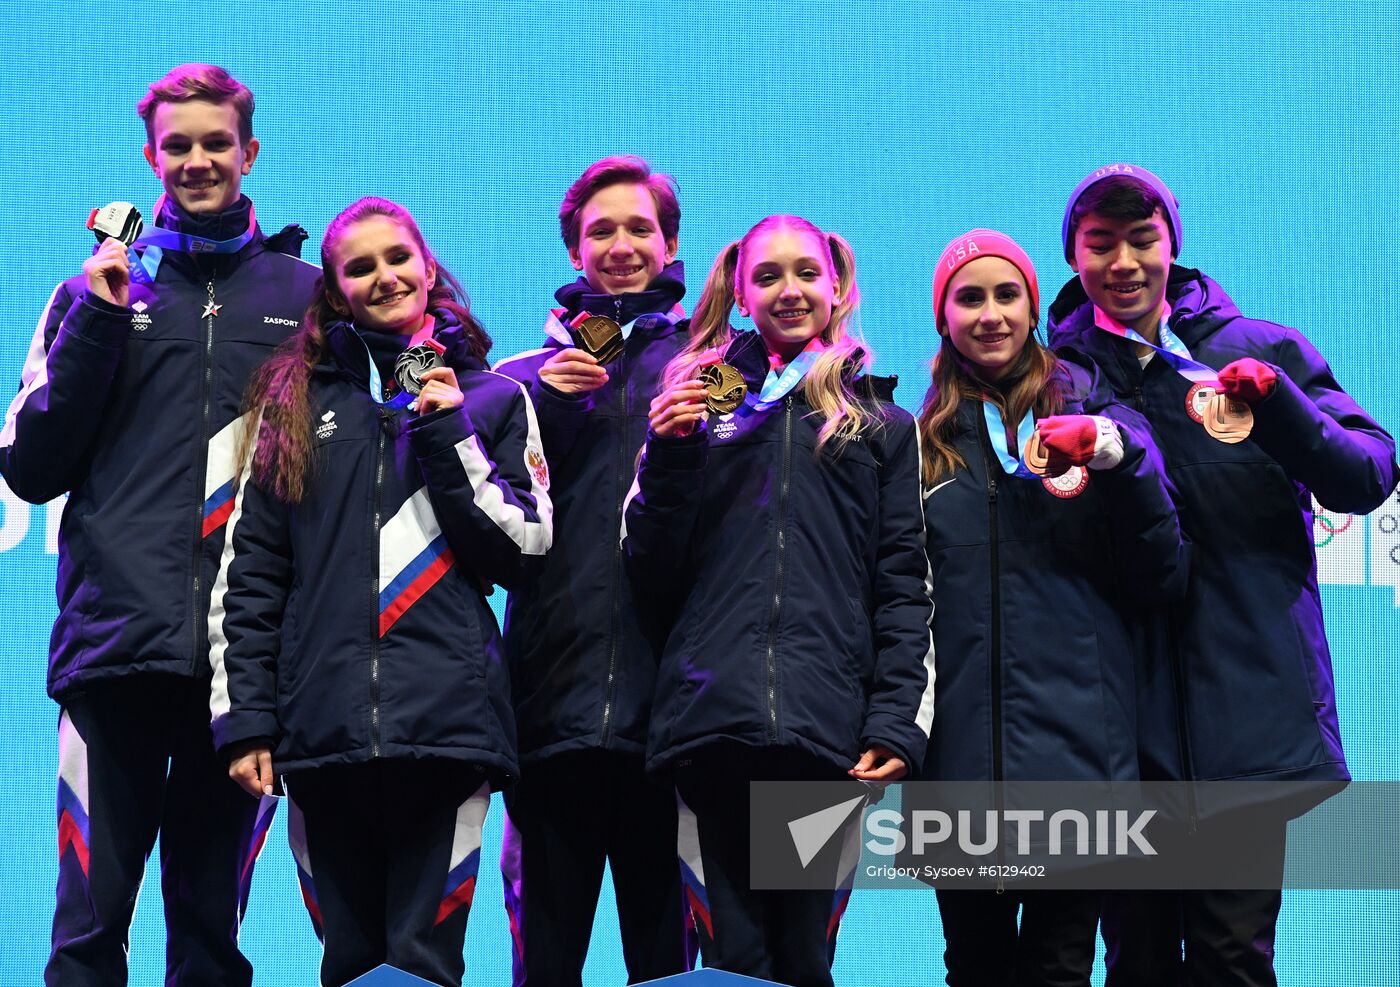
598, 336
725, 389
1034, 456
1228, 420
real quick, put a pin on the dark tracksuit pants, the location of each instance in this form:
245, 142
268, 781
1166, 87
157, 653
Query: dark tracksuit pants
786, 936
136, 758
1205, 937
1052, 947
568, 815
387, 854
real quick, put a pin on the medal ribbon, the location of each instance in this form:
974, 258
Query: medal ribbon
1173, 350
156, 240
996, 431
777, 386
376, 387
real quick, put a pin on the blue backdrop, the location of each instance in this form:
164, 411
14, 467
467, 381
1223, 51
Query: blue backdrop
896, 125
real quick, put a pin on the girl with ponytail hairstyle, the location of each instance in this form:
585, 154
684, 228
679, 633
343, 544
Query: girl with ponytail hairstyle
1035, 678
390, 480
775, 542
827, 385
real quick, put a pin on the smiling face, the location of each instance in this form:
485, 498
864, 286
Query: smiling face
197, 155
378, 275
621, 247
786, 282
987, 315
1123, 265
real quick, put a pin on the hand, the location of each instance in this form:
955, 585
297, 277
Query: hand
253, 770
678, 409
109, 272
572, 371
1248, 380
439, 391
879, 764
1080, 440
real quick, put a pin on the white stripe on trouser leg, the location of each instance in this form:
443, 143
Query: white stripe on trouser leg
465, 860
697, 899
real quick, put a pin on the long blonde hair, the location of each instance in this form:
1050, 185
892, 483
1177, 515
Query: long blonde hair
827, 385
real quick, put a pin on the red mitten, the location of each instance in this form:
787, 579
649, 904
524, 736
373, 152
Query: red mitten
1247, 380
1080, 440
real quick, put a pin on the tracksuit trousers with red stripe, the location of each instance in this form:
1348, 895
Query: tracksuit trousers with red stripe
136, 758
387, 854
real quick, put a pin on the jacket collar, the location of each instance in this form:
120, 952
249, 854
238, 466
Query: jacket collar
663, 294
225, 225
349, 351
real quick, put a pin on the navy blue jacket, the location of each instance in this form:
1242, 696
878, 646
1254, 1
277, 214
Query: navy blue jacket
793, 583
582, 675
1238, 684
354, 625
1035, 663
134, 412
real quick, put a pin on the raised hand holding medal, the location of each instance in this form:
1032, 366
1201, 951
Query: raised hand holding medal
109, 271
420, 371
598, 336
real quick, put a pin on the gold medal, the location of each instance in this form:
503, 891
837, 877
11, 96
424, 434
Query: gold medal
1228, 420
725, 389
598, 336
1034, 456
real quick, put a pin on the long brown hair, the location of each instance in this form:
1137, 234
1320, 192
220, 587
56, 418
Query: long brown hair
278, 393
1033, 382
827, 385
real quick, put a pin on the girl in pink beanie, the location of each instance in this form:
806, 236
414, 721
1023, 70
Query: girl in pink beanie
1045, 508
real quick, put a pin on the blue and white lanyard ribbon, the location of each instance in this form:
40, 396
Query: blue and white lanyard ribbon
996, 431
1172, 349
376, 384
779, 384
156, 240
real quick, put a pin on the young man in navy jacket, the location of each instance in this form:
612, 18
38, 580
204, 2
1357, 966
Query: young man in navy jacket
129, 404
1252, 426
581, 670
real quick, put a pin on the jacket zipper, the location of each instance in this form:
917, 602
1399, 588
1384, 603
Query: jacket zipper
1178, 676
376, 588
994, 536
619, 494
776, 607
200, 617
